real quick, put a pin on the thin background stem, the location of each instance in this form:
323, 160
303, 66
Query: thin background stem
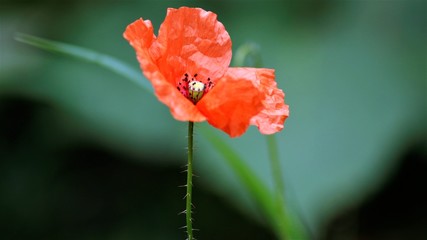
275, 165
276, 169
288, 225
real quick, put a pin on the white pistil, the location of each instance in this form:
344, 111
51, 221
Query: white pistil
195, 90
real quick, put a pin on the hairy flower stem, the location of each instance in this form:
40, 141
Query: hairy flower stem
188, 205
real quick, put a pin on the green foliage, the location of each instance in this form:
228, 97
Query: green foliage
353, 74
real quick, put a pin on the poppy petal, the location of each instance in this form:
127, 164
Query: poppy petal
274, 113
193, 41
140, 36
233, 102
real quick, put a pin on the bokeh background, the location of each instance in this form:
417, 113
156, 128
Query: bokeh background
87, 154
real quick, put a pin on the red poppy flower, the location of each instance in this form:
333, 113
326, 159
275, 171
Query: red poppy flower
188, 66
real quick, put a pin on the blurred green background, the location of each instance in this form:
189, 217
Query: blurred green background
86, 154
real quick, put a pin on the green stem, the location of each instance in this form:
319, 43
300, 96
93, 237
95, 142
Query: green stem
188, 205
275, 165
283, 224
287, 224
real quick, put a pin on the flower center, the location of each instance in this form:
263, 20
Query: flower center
193, 89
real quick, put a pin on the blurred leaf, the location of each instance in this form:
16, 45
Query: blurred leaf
88, 55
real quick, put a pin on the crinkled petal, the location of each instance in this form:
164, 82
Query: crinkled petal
274, 113
140, 34
141, 38
192, 41
233, 102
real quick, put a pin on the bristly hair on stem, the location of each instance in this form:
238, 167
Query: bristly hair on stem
188, 196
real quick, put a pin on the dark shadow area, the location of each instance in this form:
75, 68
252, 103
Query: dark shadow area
79, 190
397, 211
